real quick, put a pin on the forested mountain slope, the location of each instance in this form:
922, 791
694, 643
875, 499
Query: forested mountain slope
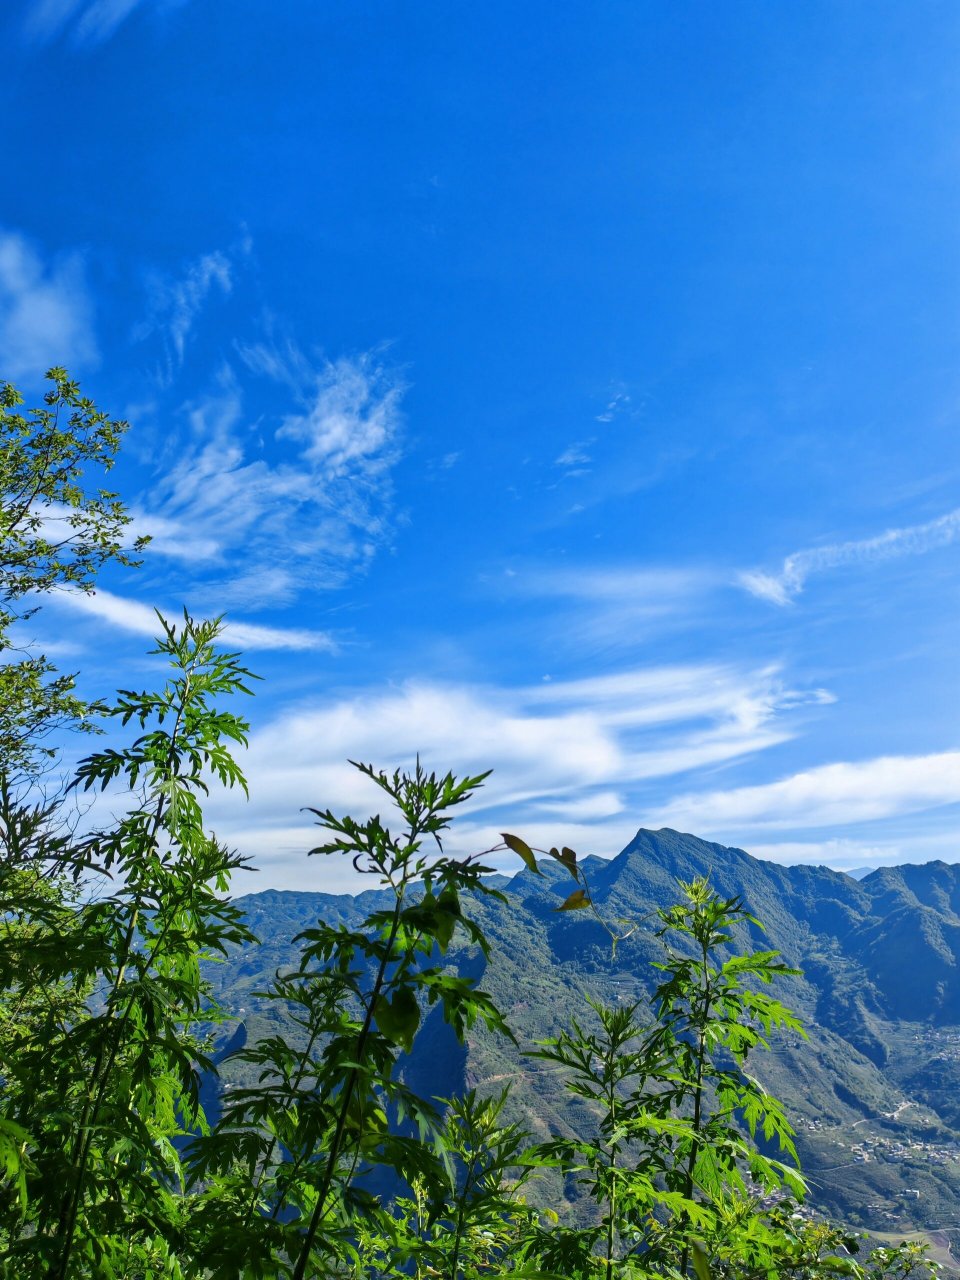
873, 1092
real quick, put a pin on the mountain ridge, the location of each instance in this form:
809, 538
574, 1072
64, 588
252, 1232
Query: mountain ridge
879, 993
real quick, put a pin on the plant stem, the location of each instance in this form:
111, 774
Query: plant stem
319, 1211
462, 1213
707, 997
102, 1071
612, 1210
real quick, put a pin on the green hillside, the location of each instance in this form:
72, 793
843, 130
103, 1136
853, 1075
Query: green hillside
873, 1093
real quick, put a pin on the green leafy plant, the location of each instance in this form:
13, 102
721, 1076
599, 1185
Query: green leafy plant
108, 1169
326, 1113
673, 1164
471, 1223
675, 1108
709, 1020
57, 530
104, 995
622, 1076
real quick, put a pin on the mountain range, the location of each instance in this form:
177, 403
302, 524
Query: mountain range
873, 1092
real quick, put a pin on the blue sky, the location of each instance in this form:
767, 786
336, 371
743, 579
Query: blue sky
568, 391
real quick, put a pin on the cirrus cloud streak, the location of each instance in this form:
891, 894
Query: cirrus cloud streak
571, 756
139, 619
304, 513
782, 588
837, 794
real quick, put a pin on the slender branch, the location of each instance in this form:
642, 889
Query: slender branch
707, 997
462, 1213
333, 1156
100, 1078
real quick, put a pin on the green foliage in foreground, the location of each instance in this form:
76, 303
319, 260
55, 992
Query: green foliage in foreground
109, 1169
58, 528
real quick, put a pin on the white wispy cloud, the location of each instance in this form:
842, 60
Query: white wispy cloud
850, 854
841, 854
139, 619
610, 610
175, 304
783, 587
568, 757
88, 21
188, 294
262, 586
647, 698
829, 795
172, 538
46, 312
649, 590
313, 511
575, 455
347, 421
619, 402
